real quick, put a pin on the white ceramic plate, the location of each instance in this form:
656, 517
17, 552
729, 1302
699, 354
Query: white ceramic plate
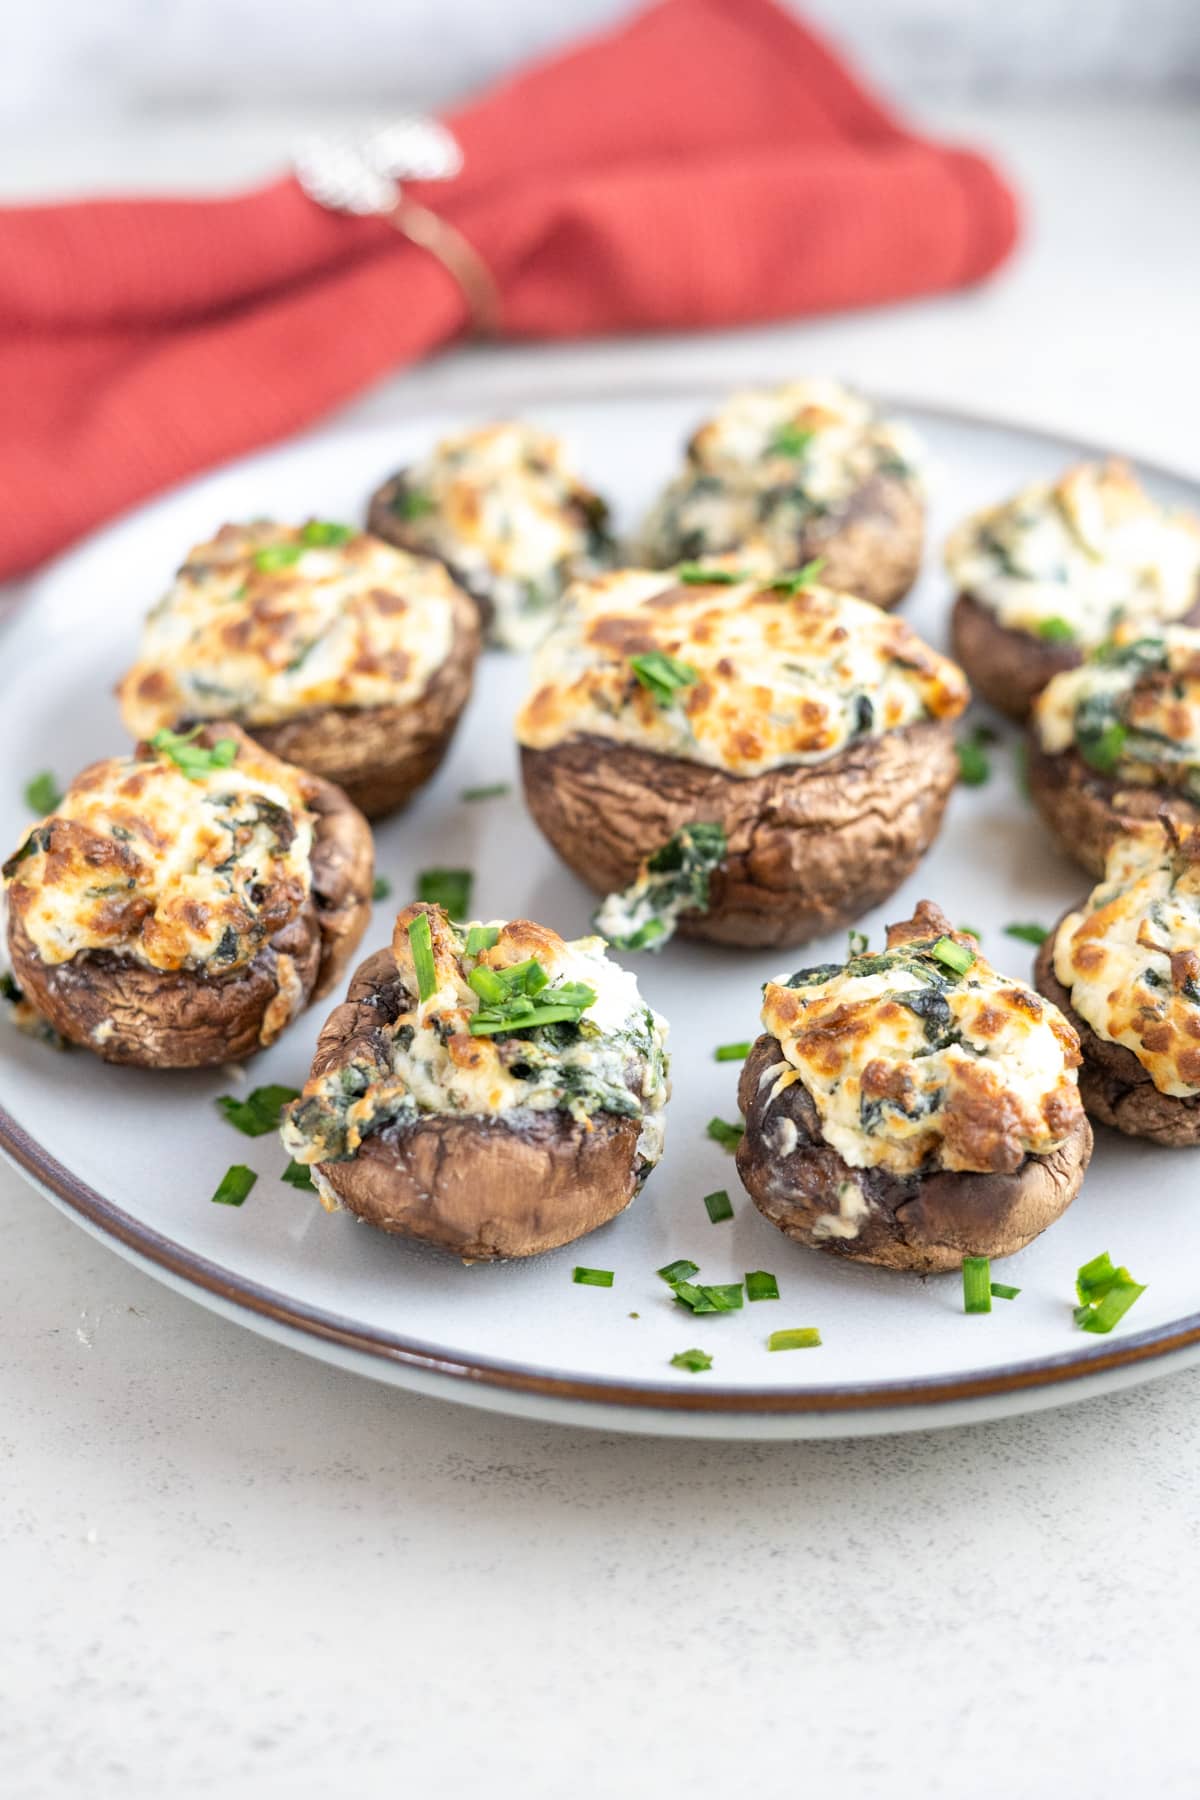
135, 1156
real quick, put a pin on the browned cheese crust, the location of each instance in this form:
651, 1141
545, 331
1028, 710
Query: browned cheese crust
1115, 1087
474, 1186
1087, 812
810, 846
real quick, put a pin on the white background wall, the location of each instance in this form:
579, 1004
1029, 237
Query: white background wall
73, 60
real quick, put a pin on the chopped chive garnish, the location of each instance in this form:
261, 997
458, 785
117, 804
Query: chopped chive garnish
1000, 1291
481, 938
662, 676
298, 1175
448, 888
697, 575
410, 503
794, 581
722, 1297
42, 794
761, 1285
191, 758
974, 766
1027, 934
381, 888
977, 1284
259, 1112
235, 1185
1056, 631
1101, 750
325, 531
970, 931
593, 1277
519, 998
791, 440
953, 956
420, 942
1106, 1294
278, 556
803, 1337
728, 1136
857, 943
732, 1052
718, 1206
683, 1270
493, 791
695, 1360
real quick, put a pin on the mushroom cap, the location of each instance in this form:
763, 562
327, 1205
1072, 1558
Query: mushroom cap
1006, 667
1086, 812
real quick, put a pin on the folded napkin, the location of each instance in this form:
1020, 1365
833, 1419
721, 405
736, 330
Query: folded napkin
708, 163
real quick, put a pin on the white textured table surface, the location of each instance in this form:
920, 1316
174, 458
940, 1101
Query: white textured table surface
226, 1569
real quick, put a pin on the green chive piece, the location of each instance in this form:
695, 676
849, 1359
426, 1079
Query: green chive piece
192, 759
697, 575
493, 791
1027, 934
803, 1337
970, 931
977, 1288
974, 766
259, 1112
448, 888
761, 1285
728, 1136
325, 531
1002, 1292
278, 556
42, 794
381, 888
683, 1270
410, 503
420, 942
1095, 1278
718, 1206
795, 581
721, 1297
1106, 1294
953, 956
519, 998
235, 1185
732, 1052
662, 676
791, 440
480, 938
695, 1360
299, 1175
1056, 631
857, 943
593, 1277
1102, 750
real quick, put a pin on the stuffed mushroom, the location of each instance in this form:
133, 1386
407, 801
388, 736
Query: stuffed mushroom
489, 1089
1046, 577
912, 1106
506, 513
1125, 969
780, 476
1117, 741
334, 650
183, 904
750, 763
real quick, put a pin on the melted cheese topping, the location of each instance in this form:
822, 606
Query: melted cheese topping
1130, 957
1135, 704
912, 1068
614, 1061
1079, 554
171, 872
780, 678
502, 506
767, 465
261, 626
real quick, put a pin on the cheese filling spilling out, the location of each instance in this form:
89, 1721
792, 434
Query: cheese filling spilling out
270, 621
503, 508
1132, 710
770, 678
766, 468
914, 1067
1070, 560
612, 1060
169, 871
1130, 957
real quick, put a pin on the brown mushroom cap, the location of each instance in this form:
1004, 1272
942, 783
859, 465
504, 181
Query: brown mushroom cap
1086, 812
1005, 666
481, 1187
924, 1222
184, 1019
1114, 1086
811, 846
872, 545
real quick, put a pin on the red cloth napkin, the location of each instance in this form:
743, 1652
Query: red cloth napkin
708, 163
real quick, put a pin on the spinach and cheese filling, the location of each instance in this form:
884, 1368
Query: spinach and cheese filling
768, 467
493, 1021
1070, 560
505, 511
734, 674
270, 621
177, 857
923, 1057
1130, 957
671, 882
1132, 710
